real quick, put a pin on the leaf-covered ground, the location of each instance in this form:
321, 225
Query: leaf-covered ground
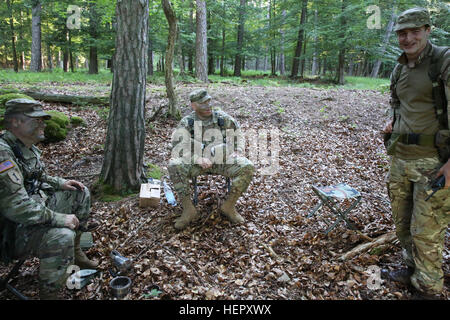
326, 137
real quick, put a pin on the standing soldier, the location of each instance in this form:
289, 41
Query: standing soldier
208, 132
40, 215
417, 137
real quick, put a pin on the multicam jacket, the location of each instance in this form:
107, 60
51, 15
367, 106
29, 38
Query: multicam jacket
201, 137
23, 183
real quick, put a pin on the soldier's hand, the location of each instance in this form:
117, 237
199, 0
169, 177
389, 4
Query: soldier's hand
445, 170
388, 127
73, 185
205, 163
71, 222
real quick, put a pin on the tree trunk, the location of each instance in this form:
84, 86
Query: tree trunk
201, 50
93, 32
341, 57
93, 60
172, 20
282, 57
49, 57
210, 45
13, 36
298, 48
36, 37
222, 56
341, 66
150, 57
191, 45
66, 59
240, 40
72, 67
123, 166
315, 67
303, 59
272, 47
65, 98
387, 35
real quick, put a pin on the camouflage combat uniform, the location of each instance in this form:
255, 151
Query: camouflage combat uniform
33, 209
420, 225
192, 132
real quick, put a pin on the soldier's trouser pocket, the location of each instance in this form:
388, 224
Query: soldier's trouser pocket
53, 246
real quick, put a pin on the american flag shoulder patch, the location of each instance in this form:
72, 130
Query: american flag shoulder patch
6, 165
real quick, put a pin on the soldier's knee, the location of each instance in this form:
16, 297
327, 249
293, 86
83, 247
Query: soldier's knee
60, 237
174, 165
247, 167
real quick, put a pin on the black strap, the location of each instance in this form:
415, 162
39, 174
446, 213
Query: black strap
438, 91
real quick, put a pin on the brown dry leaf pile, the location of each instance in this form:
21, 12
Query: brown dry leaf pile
326, 137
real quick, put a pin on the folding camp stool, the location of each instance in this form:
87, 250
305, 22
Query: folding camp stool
329, 196
6, 282
194, 181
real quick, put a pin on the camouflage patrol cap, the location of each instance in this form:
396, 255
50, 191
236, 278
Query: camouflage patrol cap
199, 95
412, 18
30, 108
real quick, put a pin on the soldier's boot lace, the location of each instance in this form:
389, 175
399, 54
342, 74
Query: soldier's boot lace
228, 208
81, 259
402, 275
189, 214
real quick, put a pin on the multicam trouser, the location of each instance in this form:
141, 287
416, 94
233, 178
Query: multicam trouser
240, 172
54, 246
420, 225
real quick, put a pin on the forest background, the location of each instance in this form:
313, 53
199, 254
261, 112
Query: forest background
296, 38
316, 71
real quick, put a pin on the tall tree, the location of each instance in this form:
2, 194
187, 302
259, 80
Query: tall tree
124, 147
13, 36
240, 39
94, 19
342, 44
389, 28
315, 63
201, 50
36, 51
172, 20
298, 48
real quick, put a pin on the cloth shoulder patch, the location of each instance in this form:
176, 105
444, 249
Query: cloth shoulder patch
6, 165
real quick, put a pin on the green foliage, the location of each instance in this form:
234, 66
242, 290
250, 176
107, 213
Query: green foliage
56, 129
10, 96
77, 121
154, 171
57, 77
7, 90
53, 132
271, 31
105, 192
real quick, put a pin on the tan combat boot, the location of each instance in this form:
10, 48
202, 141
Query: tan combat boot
228, 208
189, 214
81, 259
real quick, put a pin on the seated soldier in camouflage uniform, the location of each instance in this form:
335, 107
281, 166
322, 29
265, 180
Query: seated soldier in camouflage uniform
40, 215
206, 131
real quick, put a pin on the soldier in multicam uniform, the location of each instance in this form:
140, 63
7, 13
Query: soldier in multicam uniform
40, 215
205, 131
417, 139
